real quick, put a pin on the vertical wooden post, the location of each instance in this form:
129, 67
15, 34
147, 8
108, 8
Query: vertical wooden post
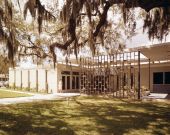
123, 74
134, 76
28, 80
149, 74
21, 79
37, 80
14, 78
46, 81
139, 70
131, 85
93, 75
117, 74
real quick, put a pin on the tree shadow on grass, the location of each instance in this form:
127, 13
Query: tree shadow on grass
33, 125
85, 116
110, 119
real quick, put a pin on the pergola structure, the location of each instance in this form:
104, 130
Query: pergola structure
120, 73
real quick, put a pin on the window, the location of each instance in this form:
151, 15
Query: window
131, 80
75, 73
158, 78
63, 82
167, 77
73, 82
68, 82
77, 82
65, 72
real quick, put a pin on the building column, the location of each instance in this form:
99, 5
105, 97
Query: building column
46, 81
139, 71
28, 80
149, 75
37, 80
21, 79
14, 79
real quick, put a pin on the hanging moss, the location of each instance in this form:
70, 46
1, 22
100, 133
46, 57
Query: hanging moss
35, 7
157, 23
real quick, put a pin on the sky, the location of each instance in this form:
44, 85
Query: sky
141, 39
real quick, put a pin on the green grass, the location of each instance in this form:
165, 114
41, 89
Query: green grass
10, 94
86, 116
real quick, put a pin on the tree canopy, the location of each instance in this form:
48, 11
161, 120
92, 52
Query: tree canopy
82, 23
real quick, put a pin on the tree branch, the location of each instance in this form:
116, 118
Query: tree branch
147, 5
102, 19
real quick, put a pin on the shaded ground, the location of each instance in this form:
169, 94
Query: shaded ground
10, 94
86, 116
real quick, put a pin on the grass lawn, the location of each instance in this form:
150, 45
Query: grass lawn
10, 94
86, 116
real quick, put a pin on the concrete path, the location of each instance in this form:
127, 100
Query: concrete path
37, 97
156, 96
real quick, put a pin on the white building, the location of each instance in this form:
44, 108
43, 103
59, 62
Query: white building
45, 79
101, 74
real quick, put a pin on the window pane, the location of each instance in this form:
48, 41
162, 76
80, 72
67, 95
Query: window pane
75, 73
131, 80
158, 78
167, 77
77, 82
68, 82
63, 82
65, 72
73, 82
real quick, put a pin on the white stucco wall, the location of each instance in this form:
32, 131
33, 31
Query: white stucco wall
52, 80
11, 78
25, 79
18, 78
41, 80
33, 79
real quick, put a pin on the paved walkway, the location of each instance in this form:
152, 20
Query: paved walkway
157, 96
37, 97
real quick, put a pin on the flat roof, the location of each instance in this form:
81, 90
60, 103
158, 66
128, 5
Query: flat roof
156, 52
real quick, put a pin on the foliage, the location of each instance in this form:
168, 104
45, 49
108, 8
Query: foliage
4, 66
93, 16
18, 35
79, 23
7, 35
35, 7
158, 21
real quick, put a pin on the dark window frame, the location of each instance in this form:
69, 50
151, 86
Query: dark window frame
63, 82
166, 77
68, 82
66, 73
158, 78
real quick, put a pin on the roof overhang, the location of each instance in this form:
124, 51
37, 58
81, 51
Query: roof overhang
157, 52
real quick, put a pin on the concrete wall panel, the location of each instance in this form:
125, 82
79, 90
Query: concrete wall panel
11, 77
42, 80
18, 78
25, 79
33, 79
52, 80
